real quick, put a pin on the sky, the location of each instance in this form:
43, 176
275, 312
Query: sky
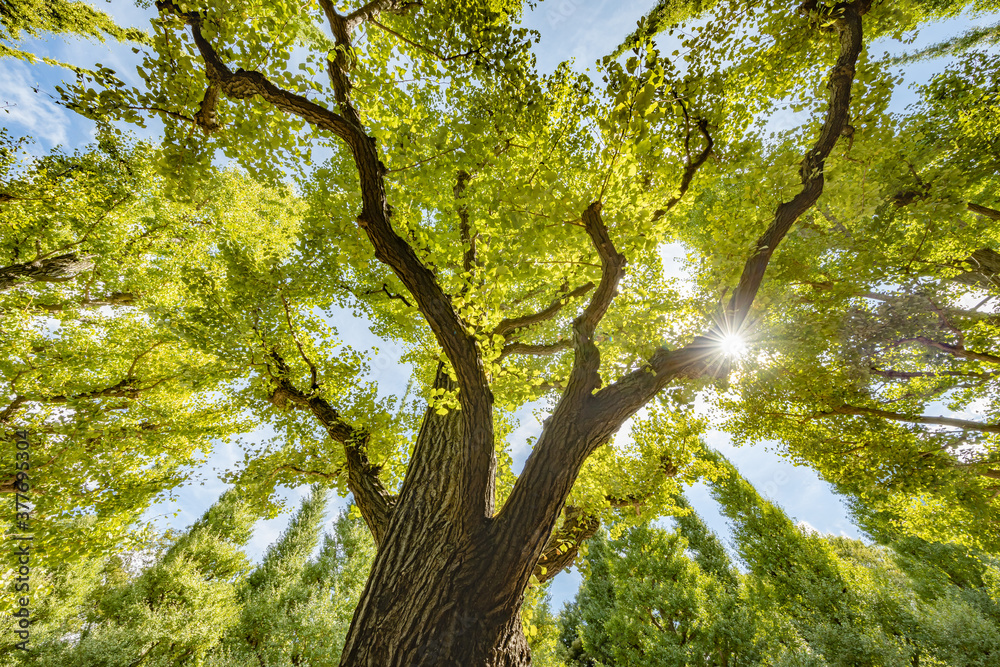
581, 30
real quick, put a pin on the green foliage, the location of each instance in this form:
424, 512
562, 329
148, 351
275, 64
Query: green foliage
117, 403
541, 627
170, 612
35, 18
670, 597
193, 599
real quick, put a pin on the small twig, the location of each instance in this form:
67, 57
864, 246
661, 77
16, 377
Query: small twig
423, 48
312, 367
391, 295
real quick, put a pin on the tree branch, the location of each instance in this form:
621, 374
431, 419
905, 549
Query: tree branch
535, 350
51, 270
468, 240
954, 350
990, 213
12, 408
443, 58
564, 544
690, 170
125, 389
509, 326
314, 384
113, 299
244, 84
584, 377
391, 295
810, 170
373, 499
577, 527
913, 419
373, 9
906, 375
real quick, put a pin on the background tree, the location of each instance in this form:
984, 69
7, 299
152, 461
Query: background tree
171, 612
117, 407
652, 597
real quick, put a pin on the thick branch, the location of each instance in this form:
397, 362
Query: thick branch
113, 299
912, 419
462, 208
990, 213
244, 84
12, 408
564, 544
50, 270
906, 375
985, 269
955, 350
371, 11
810, 171
449, 329
125, 389
584, 377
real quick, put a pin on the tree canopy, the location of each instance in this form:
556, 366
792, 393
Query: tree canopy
406, 164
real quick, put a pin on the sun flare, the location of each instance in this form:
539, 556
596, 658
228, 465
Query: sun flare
733, 346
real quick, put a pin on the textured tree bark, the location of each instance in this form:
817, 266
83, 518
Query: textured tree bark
50, 270
437, 558
445, 620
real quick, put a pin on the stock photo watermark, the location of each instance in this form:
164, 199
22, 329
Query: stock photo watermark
560, 12
21, 541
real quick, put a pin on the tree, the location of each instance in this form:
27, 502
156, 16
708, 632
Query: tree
171, 612
671, 597
871, 350
448, 157
148, 607
115, 405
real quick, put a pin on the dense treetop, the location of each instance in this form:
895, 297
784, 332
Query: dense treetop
407, 163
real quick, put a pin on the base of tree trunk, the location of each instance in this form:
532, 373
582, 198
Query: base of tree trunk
459, 639
431, 613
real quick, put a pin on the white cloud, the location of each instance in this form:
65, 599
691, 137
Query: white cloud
33, 111
808, 528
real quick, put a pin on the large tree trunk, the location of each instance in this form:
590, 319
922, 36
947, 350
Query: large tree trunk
427, 608
433, 597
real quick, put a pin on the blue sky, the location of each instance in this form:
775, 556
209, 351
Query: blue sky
583, 30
